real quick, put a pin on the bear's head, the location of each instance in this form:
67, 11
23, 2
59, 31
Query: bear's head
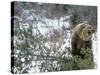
85, 31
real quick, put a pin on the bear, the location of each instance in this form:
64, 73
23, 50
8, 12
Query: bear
81, 38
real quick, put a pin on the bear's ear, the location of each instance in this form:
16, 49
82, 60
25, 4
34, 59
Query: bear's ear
85, 22
82, 26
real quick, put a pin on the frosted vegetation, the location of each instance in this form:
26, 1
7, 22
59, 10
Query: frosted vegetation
42, 37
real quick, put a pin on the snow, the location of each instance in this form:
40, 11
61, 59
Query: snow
66, 45
47, 44
52, 24
22, 59
43, 30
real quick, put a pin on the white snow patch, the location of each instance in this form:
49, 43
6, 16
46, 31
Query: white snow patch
22, 59
47, 45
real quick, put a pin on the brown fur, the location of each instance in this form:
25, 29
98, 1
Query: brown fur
81, 37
